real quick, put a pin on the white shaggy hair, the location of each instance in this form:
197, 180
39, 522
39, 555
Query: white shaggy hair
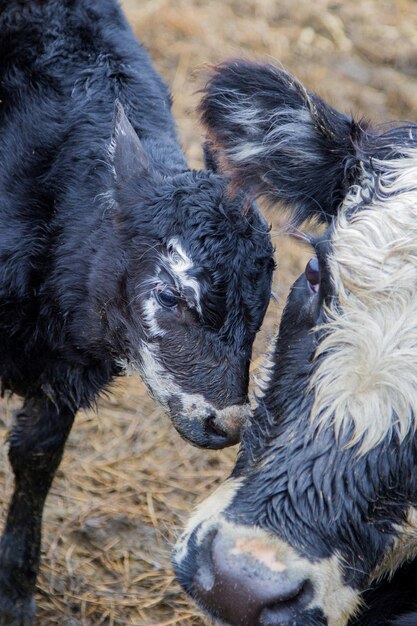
366, 363
287, 127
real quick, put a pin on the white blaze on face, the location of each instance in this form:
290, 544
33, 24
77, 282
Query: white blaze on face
366, 375
150, 310
161, 383
180, 264
191, 406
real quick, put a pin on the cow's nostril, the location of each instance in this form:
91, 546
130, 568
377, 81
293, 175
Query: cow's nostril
295, 600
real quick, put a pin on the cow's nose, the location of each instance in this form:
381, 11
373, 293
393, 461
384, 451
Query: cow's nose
249, 587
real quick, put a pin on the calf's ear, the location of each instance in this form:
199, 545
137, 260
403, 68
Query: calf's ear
127, 155
276, 138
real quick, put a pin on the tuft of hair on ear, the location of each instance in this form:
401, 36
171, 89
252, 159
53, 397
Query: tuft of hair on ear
127, 154
280, 140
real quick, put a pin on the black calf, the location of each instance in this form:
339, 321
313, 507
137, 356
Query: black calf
114, 255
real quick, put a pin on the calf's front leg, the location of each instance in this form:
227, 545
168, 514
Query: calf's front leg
36, 443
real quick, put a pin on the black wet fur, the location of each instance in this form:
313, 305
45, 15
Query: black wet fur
391, 601
93, 186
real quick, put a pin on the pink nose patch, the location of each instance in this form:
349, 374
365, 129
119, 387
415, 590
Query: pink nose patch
259, 551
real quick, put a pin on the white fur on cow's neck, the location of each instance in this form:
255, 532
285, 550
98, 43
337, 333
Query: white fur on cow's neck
366, 374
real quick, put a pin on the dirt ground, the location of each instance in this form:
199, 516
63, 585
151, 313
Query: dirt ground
127, 482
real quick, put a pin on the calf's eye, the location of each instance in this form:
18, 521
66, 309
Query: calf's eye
166, 297
312, 273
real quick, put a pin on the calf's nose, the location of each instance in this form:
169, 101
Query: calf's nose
245, 585
223, 431
230, 421
207, 426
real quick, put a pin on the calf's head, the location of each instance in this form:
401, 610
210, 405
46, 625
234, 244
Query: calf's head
322, 500
190, 283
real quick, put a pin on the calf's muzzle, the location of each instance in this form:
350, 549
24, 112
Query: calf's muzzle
206, 426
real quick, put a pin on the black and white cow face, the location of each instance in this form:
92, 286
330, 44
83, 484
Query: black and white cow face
323, 498
191, 290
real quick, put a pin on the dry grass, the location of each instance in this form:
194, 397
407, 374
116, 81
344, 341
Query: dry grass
127, 482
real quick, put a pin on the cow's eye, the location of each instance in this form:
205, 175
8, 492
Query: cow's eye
312, 273
166, 297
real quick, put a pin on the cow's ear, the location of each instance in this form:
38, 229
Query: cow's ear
278, 139
127, 155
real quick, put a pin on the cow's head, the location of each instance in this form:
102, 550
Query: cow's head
322, 500
190, 278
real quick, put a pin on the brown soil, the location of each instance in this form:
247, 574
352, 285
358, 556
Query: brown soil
127, 482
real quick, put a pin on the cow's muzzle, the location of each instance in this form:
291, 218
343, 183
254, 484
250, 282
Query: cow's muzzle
241, 583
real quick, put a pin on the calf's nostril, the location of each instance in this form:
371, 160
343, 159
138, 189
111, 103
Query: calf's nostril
212, 424
213, 427
216, 436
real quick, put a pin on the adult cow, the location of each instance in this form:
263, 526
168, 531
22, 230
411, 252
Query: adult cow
322, 502
114, 255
